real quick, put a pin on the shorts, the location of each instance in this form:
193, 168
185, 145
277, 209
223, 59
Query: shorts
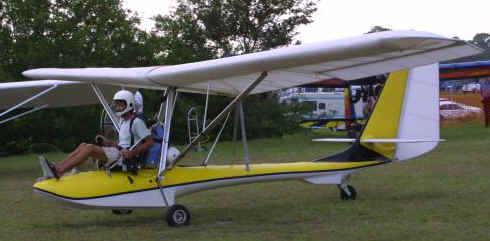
112, 153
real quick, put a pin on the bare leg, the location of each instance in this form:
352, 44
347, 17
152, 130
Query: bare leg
75, 152
79, 156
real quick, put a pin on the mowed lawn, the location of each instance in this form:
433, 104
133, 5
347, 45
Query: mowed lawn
442, 196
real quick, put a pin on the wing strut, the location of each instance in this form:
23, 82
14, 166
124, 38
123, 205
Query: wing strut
244, 135
171, 98
106, 106
25, 102
24, 113
220, 117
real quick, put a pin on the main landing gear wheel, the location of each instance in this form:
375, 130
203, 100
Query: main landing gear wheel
178, 215
122, 211
346, 196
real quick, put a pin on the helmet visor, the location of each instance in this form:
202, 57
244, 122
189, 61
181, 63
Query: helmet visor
118, 106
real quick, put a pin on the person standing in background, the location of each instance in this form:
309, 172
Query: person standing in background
485, 92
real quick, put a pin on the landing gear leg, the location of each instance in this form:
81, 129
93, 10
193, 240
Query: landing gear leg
177, 215
347, 192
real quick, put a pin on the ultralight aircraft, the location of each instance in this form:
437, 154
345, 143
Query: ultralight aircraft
403, 125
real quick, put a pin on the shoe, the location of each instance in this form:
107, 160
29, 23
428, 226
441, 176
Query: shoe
44, 166
49, 169
73, 171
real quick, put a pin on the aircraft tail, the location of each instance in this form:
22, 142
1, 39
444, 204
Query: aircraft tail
407, 109
405, 121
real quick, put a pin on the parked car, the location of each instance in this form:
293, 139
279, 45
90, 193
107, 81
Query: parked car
453, 110
471, 87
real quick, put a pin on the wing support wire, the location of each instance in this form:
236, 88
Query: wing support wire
205, 162
220, 117
106, 106
25, 102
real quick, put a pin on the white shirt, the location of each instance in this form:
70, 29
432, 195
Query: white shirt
138, 103
139, 131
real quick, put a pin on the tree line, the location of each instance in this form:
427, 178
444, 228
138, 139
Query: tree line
93, 33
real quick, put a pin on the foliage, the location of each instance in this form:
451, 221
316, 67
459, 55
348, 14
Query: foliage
377, 28
65, 33
200, 30
482, 40
234, 26
93, 33
181, 38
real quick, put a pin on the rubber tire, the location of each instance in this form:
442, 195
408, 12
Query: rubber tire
178, 215
122, 211
344, 196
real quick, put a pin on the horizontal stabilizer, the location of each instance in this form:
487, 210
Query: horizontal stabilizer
400, 140
378, 140
335, 140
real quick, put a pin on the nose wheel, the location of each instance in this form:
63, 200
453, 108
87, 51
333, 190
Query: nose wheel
347, 192
178, 215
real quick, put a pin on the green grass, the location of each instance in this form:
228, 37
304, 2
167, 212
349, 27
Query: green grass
441, 196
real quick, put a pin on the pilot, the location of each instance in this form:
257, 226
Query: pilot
108, 152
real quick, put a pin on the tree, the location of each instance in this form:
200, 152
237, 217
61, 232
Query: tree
482, 40
204, 29
65, 33
376, 29
234, 27
182, 39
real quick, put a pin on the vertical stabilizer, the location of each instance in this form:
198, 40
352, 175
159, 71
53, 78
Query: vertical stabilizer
407, 109
420, 113
384, 121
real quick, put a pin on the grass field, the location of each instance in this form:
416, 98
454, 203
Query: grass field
442, 196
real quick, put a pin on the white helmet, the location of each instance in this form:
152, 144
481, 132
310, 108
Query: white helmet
172, 153
128, 98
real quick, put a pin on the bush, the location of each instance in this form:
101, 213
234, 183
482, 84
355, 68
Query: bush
39, 148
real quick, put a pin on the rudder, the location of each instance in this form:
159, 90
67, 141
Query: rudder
407, 109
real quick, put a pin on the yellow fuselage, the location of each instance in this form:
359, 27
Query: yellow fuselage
121, 189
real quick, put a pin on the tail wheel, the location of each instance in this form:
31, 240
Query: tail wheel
345, 196
178, 215
122, 211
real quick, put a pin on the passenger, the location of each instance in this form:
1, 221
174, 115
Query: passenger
138, 104
109, 152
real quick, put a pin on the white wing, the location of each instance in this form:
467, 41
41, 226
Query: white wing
66, 93
347, 59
